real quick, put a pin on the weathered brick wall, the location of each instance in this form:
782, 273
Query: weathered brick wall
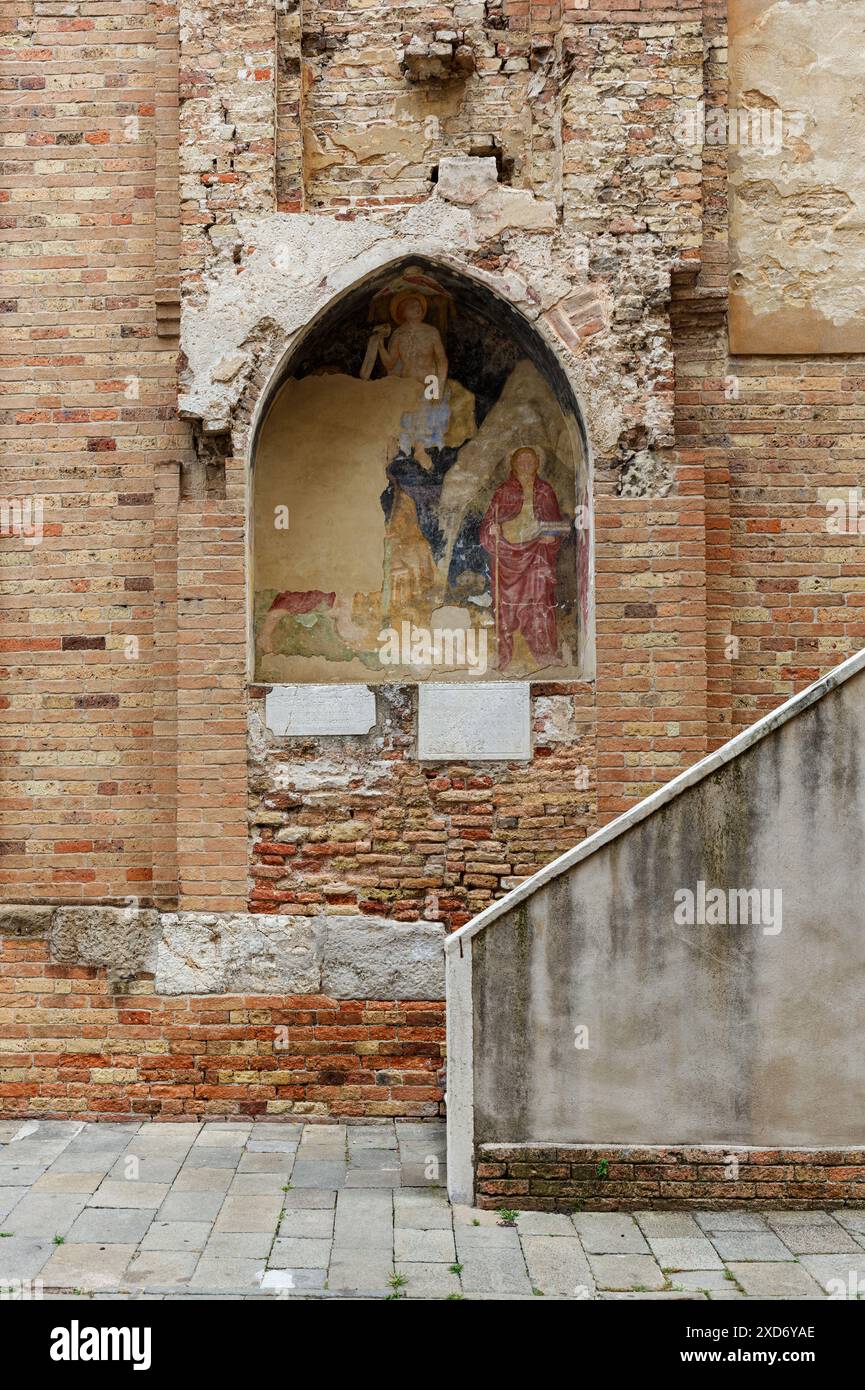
611, 1177
73, 1046
135, 140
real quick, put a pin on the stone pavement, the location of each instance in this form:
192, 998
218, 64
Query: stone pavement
269, 1209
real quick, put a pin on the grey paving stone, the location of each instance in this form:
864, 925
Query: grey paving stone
9, 1199
239, 1245
190, 1206
371, 1137
294, 1252
21, 1174
213, 1137
685, 1252
203, 1180
21, 1257
222, 1273
87, 1266
422, 1211
249, 1214
286, 1281
624, 1272
82, 1184
470, 1238
851, 1220
731, 1220
819, 1240
784, 1279
111, 1226
545, 1223
496, 1270
667, 1225
257, 1184
417, 1174
428, 1280
713, 1281
271, 1162
271, 1146
365, 1158
276, 1129
372, 1177
317, 1173
750, 1245
202, 1157
132, 1167
806, 1217
424, 1246
44, 1214
303, 1198
360, 1273
112, 1193
309, 1222
609, 1233
557, 1264
667, 1296
85, 1161
846, 1269
159, 1268
176, 1235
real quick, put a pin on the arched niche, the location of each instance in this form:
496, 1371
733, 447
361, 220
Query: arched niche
421, 500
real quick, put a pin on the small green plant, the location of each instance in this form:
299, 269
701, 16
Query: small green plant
59, 1240
476, 1222
728, 1275
507, 1217
455, 1269
4, 1234
288, 1187
538, 1293
454, 1295
397, 1282
603, 1168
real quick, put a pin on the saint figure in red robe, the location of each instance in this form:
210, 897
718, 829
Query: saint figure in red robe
522, 532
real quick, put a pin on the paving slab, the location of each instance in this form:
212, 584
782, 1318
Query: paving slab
249, 1214
239, 1245
258, 1184
275, 1161
44, 1214
422, 1211
81, 1184
176, 1235
667, 1225
203, 1180
557, 1264
428, 1280
806, 1217
842, 1270
10, 1197
287, 1281
302, 1198
423, 1246
309, 1222
495, 1270
851, 1220
111, 1226
782, 1279
609, 1233
158, 1268
87, 1266
750, 1245
306, 1173
190, 1206
112, 1193
360, 1273
731, 1220
818, 1240
623, 1272
202, 1157
713, 1281
218, 1273
293, 1252
22, 1257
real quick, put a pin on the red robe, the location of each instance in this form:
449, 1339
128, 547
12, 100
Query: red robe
523, 575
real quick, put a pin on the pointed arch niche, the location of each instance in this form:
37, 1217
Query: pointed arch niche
421, 495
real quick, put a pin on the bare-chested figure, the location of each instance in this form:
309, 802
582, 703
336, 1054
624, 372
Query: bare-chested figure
415, 349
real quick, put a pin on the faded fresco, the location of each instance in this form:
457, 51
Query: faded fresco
421, 509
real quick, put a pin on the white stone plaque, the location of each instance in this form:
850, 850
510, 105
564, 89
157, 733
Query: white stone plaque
480, 722
319, 709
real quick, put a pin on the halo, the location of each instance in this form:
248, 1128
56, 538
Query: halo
398, 301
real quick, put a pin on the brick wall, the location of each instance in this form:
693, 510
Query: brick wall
74, 1047
615, 1178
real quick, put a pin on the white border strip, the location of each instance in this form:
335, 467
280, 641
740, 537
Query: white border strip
690, 777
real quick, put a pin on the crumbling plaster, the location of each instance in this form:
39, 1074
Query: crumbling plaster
274, 275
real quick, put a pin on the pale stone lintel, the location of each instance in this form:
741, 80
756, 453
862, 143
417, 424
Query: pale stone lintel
319, 709
487, 721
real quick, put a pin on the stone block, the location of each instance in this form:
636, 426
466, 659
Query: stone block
121, 940
365, 958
